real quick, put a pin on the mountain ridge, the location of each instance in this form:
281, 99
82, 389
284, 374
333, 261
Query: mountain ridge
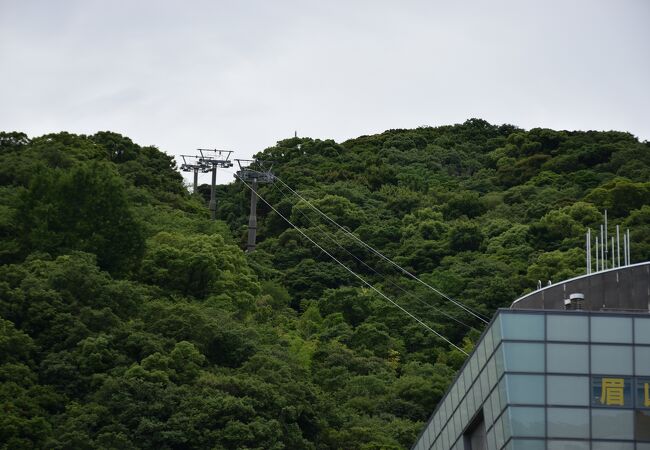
128, 319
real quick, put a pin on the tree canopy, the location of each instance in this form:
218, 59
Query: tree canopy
128, 319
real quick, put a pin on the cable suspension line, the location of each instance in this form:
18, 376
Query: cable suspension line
476, 314
332, 239
352, 272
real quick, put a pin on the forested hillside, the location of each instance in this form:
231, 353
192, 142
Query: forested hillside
130, 320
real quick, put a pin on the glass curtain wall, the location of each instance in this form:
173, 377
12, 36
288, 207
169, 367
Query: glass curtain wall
551, 380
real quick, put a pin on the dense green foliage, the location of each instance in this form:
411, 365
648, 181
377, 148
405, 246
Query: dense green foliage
129, 320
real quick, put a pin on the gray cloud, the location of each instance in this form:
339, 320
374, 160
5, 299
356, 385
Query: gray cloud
243, 74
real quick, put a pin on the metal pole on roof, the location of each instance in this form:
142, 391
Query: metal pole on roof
590, 254
618, 246
587, 250
603, 260
590, 257
597, 266
606, 237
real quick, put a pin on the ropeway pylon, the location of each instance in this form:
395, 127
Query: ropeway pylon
253, 172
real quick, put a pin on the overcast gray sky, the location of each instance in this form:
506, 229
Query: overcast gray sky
243, 74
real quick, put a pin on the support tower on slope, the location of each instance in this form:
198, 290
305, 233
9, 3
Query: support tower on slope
192, 164
211, 159
253, 173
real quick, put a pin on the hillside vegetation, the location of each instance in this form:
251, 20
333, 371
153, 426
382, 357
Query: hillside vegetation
130, 320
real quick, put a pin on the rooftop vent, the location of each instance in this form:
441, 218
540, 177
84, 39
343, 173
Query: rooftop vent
575, 302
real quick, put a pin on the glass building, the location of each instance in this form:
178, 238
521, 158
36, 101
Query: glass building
567, 367
550, 380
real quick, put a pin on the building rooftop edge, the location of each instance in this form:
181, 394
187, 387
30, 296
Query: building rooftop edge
550, 286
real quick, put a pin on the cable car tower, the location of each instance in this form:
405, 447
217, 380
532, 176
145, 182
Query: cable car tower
192, 164
211, 159
254, 172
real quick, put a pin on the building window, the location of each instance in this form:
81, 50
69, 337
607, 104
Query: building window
526, 421
642, 361
568, 422
523, 357
567, 390
474, 436
528, 444
611, 423
568, 445
641, 330
526, 389
596, 445
523, 326
611, 329
611, 359
567, 358
567, 328
642, 426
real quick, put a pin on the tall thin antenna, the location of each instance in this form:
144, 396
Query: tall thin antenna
606, 242
590, 257
629, 246
603, 261
618, 246
588, 249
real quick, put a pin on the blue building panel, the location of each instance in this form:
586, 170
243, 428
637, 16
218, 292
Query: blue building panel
552, 380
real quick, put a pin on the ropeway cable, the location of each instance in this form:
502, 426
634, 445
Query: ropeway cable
381, 255
380, 274
359, 277
387, 259
333, 239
